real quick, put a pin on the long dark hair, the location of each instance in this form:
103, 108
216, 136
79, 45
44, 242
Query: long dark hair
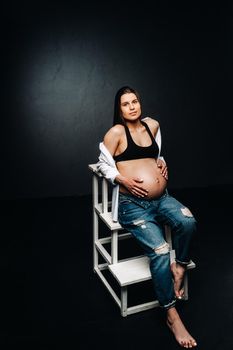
118, 118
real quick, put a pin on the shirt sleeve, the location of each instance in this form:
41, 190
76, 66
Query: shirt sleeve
106, 165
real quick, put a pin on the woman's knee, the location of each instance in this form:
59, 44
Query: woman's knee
160, 253
160, 264
162, 249
188, 224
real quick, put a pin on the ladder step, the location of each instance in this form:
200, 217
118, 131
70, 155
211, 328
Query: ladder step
107, 219
134, 270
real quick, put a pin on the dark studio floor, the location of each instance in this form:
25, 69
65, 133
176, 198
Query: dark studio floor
52, 299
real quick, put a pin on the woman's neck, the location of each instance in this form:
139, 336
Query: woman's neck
134, 125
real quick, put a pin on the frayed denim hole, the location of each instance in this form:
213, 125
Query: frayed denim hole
186, 212
141, 223
162, 249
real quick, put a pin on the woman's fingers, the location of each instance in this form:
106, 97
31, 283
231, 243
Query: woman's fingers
138, 179
139, 190
163, 169
139, 193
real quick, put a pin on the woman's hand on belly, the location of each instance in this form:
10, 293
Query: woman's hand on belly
142, 178
132, 185
163, 168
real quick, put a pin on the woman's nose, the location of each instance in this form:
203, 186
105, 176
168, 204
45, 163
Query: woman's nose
131, 106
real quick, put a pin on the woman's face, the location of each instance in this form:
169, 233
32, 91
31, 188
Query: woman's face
130, 107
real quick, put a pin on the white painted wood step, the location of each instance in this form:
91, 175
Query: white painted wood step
134, 270
107, 219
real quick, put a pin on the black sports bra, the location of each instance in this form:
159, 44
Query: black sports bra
133, 151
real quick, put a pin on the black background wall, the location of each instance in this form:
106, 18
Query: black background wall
61, 65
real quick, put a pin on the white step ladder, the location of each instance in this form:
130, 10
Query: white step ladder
129, 271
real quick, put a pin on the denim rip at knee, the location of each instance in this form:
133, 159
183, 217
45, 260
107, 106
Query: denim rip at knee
138, 217
182, 223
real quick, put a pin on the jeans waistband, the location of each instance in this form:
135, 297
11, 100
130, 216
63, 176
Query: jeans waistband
141, 201
131, 196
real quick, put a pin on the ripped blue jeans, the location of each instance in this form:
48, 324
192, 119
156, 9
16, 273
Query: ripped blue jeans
145, 220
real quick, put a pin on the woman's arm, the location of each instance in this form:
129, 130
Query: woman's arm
155, 129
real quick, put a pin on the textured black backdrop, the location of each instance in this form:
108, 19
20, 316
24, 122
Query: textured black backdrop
60, 67
62, 63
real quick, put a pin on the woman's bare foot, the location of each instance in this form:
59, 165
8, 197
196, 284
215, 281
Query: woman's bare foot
178, 272
178, 329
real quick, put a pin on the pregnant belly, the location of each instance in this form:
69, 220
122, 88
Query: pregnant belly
154, 183
145, 169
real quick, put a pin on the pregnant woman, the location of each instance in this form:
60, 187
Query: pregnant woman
130, 159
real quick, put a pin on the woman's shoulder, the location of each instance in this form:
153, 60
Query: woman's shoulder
115, 131
152, 123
